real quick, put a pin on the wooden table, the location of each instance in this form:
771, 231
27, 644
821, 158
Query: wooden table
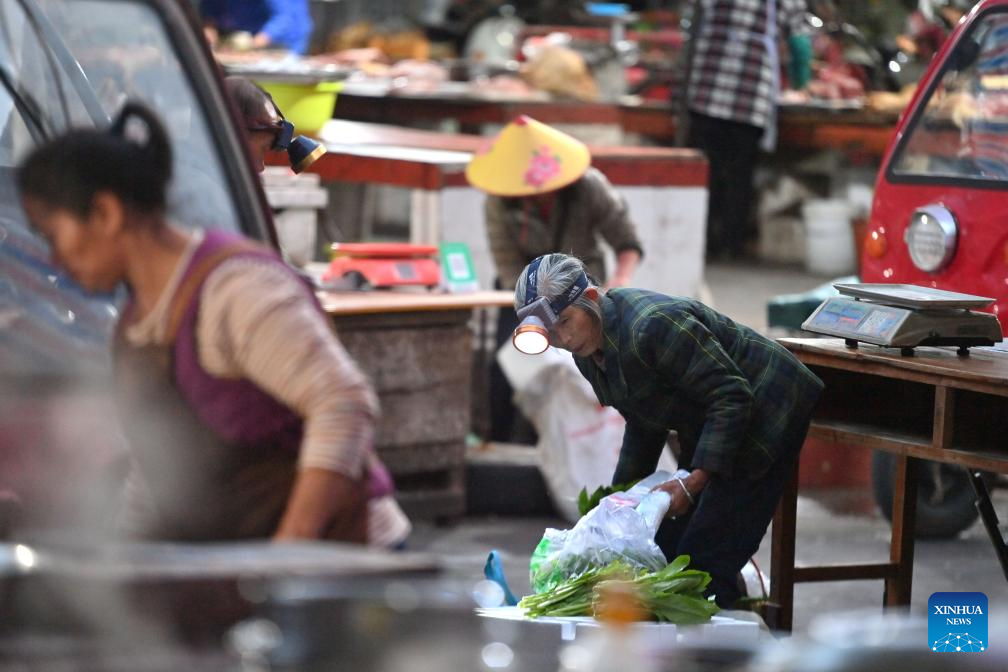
344, 304
469, 111
665, 189
399, 156
800, 127
417, 349
933, 405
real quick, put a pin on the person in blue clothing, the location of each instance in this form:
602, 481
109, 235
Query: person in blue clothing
276, 24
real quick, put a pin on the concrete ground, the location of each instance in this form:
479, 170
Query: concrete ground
833, 525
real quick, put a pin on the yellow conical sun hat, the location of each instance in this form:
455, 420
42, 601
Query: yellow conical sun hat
528, 158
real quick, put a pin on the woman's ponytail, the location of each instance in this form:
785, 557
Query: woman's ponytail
132, 159
138, 126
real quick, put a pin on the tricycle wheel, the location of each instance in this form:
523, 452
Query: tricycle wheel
944, 495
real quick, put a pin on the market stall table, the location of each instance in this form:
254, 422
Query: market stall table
847, 128
933, 405
470, 110
383, 154
665, 189
816, 125
801, 127
417, 349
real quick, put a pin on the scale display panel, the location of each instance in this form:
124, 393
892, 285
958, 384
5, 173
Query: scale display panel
405, 270
866, 321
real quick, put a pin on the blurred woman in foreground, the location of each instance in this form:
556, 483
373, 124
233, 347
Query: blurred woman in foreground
245, 416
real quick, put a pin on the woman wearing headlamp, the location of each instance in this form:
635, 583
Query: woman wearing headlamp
740, 403
267, 129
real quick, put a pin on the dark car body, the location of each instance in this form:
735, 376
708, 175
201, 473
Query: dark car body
72, 63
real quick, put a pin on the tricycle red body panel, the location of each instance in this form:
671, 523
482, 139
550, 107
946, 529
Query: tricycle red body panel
980, 206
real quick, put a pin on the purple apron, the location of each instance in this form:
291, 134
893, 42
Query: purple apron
216, 457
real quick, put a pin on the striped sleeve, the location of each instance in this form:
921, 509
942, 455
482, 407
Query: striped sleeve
257, 321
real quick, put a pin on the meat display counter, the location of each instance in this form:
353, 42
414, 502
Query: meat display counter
801, 127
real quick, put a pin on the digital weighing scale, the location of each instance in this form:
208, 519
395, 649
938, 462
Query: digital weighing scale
905, 316
380, 265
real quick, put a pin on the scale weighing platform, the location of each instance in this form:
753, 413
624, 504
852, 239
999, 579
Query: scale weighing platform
905, 316
380, 265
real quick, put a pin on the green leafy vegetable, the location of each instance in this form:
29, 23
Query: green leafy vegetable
574, 596
588, 502
673, 594
547, 569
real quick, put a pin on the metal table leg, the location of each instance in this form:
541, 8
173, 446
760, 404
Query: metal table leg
989, 518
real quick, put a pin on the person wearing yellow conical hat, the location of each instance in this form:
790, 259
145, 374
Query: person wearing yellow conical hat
543, 196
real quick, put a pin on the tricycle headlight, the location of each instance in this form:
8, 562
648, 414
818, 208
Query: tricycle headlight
931, 238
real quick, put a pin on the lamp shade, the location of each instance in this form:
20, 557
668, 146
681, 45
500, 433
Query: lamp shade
531, 337
303, 152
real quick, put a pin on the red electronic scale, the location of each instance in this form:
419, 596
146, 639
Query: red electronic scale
366, 265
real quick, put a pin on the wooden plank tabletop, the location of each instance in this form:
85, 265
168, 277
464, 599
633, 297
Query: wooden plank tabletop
984, 369
398, 156
394, 165
346, 132
800, 126
468, 109
404, 301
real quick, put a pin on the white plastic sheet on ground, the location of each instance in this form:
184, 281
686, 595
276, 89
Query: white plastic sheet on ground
579, 439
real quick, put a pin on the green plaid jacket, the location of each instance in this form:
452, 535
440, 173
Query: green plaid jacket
737, 399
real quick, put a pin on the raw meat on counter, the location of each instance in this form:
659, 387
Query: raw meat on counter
832, 83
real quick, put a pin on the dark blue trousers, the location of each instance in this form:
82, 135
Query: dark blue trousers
732, 150
726, 526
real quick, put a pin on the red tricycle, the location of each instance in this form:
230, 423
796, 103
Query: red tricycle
940, 213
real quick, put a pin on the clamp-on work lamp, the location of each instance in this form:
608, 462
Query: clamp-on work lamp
539, 314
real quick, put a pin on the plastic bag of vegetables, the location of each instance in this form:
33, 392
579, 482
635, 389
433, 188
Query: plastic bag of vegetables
622, 527
673, 594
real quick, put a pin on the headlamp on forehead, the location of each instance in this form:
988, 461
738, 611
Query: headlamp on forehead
302, 151
539, 315
536, 320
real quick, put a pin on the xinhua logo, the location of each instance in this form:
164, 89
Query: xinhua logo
957, 622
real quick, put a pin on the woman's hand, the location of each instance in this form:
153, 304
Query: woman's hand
684, 493
618, 280
319, 496
626, 264
261, 41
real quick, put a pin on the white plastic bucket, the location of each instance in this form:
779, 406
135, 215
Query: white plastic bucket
829, 240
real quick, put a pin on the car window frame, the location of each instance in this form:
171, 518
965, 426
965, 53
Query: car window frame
185, 34
919, 108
